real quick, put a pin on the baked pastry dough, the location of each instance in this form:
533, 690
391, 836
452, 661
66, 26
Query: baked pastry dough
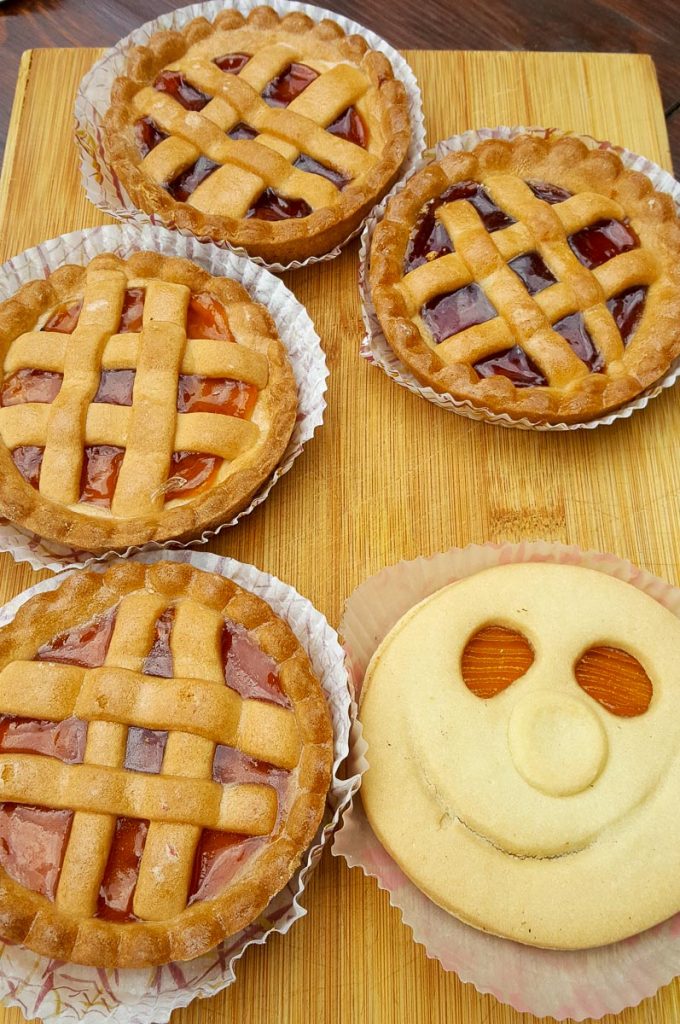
165, 752
140, 400
544, 813
536, 278
277, 134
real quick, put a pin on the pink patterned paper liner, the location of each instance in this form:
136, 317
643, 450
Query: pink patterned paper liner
54, 990
292, 320
578, 985
375, 348
101, 183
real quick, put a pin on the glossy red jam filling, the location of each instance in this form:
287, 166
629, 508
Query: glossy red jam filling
122, 870
232, 63
531, 269
307, 163
602, 241
430, 239
449, 314
247, 669
132, 311
158, 662
115, 387
64, 320
616, 680
175, 84
272, 206
30, 386
28, 460
99, 475
63, 740
287, 86
190, 473
242, 131
148, 135
85, 645
145, 749
207, 318
350, 126
32, 845
216, 394
181, 187
573, 330
514, 364
549, 193
627, 309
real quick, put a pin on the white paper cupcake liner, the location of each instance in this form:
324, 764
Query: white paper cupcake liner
375, 348
53, 990
293, 323
101, 183
587, 983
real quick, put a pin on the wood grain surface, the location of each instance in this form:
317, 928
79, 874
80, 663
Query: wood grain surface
388, 477
626, 26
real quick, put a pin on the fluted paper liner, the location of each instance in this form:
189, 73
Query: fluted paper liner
101, 183
53, 990
292, 321
585, 983
375, 348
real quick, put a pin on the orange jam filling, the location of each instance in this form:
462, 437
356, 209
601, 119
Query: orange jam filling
117, 890
64, 320
99, 476
191, 473
85, 645
131, 314
216, 394
30, 386
207, 318
616, 680
63, 740
493, 659
158, 662
28, 460
247, 669
32, 845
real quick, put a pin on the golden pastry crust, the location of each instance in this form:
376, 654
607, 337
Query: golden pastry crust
66, 928
349, 74
601, 189
537, 814
251, 448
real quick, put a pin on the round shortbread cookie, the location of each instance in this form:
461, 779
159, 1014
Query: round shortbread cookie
537, 814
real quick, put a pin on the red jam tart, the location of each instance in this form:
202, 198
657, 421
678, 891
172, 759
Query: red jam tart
97, 448
164, 770
276, 134
536, 278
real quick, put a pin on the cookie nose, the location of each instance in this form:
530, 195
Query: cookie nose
557, 743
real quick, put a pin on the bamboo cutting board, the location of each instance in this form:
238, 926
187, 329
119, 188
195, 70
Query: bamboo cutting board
388, 477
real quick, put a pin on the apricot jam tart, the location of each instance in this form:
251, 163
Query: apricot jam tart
536, 278
275, 134
140, 400
165, 753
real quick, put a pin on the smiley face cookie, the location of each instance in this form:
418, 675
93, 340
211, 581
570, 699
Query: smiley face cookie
523, 734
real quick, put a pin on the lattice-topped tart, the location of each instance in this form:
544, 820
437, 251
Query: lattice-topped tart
140, 400
273, 133
536, 277
165, 753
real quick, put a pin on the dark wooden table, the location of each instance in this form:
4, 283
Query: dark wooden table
601, 25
